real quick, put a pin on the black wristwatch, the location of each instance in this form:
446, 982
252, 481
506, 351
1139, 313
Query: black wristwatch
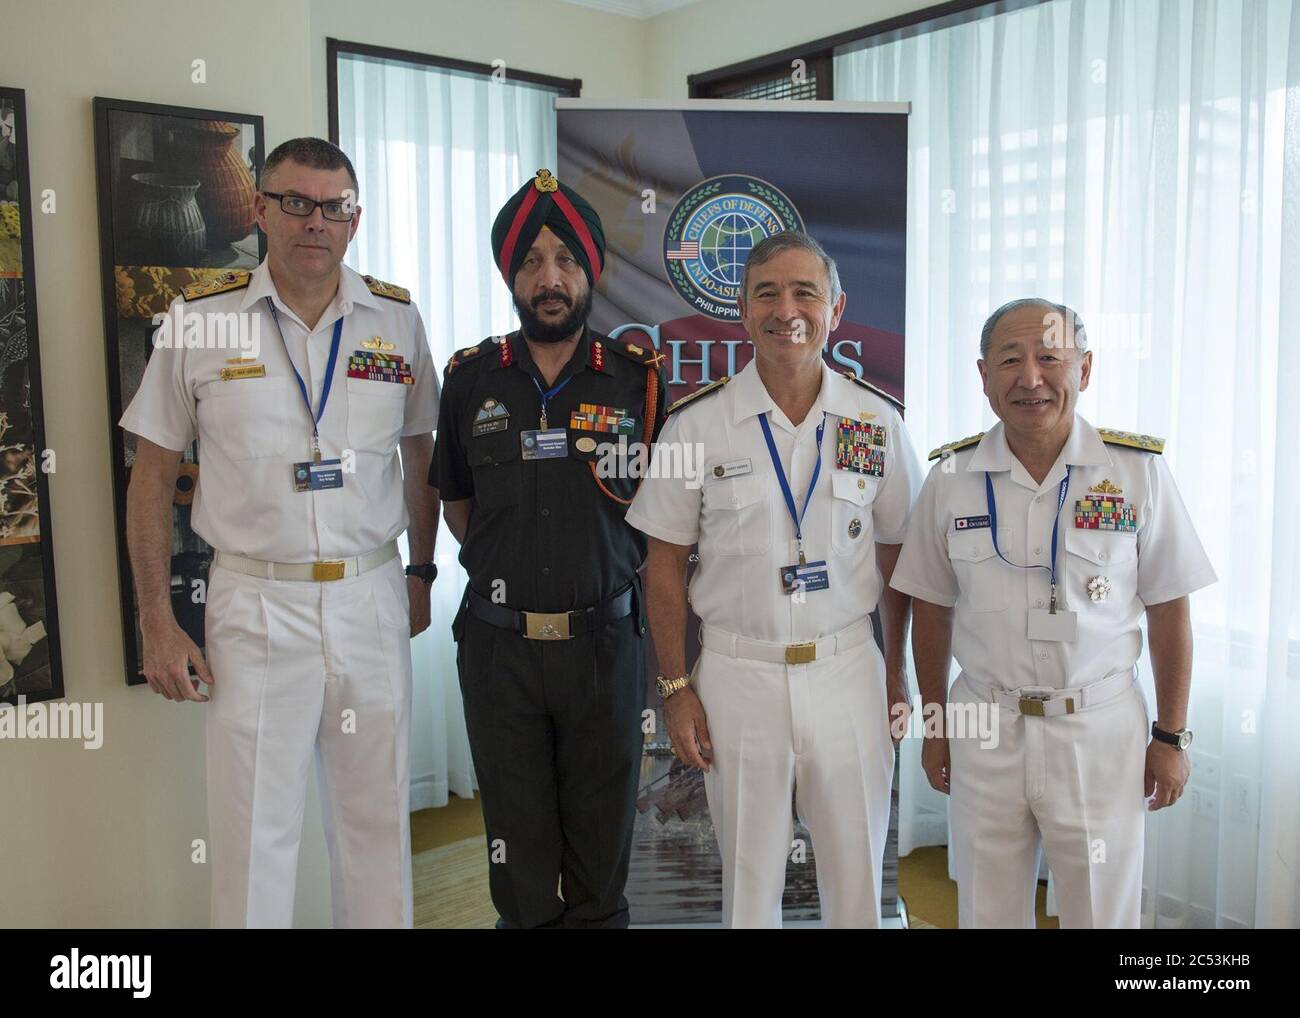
427, 572
1180, 740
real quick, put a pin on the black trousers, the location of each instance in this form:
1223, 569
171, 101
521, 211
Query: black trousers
555, 733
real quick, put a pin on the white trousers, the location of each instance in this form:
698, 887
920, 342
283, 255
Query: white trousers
302, 669
1072, 786
818, 732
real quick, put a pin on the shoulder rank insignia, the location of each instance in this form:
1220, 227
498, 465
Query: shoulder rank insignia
461, 356
1144, 442
852, 377
647, 355
690, 397
952, 447
381, 289
235, 279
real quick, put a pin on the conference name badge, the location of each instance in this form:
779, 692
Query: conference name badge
311, 476
806, 577
553, 443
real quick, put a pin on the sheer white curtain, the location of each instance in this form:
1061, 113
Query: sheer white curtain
1140, 160
438, 152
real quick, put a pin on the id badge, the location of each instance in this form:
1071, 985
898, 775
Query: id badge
811, 576
553, 443
310, 476
1061, 626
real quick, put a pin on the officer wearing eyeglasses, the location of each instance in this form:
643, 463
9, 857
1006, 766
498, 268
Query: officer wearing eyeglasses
303, 496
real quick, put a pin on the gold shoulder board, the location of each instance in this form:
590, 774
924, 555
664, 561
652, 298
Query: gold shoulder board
1146, 443
381, 289
235, 279
852, 377
690, 397
952, 447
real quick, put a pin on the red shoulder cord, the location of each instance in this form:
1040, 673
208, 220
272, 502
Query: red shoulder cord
651, 406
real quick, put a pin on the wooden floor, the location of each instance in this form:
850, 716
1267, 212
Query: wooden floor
451, 890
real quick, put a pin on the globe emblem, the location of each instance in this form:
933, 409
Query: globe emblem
725, 245
710, 234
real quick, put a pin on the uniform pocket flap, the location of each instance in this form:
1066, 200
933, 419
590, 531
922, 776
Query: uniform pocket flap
734, 492
1101, 547
971, 545
853, 487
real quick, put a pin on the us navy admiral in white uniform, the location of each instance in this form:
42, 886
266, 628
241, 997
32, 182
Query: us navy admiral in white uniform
1032, 554
806, 483
302, 495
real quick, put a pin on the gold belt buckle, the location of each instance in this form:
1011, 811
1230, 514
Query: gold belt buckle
1034, 704
546, 625
323, 571
800, 653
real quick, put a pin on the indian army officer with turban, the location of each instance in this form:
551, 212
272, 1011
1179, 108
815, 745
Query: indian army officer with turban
537, 440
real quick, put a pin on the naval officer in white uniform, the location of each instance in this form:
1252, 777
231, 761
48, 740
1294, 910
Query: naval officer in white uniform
1032, 554
807, 479
302, 495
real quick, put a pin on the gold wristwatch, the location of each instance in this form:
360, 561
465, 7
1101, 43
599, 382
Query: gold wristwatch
667, 687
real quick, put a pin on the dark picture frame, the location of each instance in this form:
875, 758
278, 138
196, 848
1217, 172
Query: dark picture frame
175, 187
29, 621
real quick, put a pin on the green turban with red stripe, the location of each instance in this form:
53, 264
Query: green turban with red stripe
544, 201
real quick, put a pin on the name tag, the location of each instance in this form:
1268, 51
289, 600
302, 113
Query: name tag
736, 468
1061, 626
243, 371
552, 443
311, 476
811, 576
972, 522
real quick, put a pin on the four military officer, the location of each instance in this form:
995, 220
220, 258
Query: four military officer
302, 496
798, 513
1032, 554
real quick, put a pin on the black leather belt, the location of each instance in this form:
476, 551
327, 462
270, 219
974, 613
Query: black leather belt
553, 625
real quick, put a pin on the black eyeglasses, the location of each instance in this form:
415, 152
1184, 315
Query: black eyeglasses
336, 211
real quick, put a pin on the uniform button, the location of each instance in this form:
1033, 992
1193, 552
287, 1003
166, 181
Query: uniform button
1039, 498
1038, 551
546, 512
1042, 654
1102, 556
546, 570
487, 459
1038, 604
735, 502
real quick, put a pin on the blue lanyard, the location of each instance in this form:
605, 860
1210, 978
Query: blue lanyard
993, 523
547, 394
302, 386
795, 516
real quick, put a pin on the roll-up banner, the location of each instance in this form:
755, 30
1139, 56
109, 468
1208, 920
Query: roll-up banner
685, 190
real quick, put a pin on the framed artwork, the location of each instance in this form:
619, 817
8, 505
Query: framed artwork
176, 188
30, 665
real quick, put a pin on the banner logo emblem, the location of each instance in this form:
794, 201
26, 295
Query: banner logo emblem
710, 233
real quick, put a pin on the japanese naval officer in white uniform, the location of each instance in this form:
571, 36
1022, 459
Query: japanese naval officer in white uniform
1032, 554
798, 512
302, 495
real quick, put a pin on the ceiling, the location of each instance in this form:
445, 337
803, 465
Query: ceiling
634, 8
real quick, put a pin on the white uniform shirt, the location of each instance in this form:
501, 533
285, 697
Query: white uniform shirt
949, 559
740, 520
252, 430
